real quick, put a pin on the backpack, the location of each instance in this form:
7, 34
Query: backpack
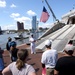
13, 43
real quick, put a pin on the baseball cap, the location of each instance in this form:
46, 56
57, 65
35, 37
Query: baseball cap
48, 42
69, 47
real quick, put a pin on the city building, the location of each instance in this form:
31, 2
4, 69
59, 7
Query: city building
20, 26
0, 30
35, 26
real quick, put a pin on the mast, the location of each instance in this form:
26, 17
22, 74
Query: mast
51, 11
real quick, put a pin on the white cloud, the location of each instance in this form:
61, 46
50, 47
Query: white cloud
13, 15
26, 21
23, 19
2, 3
31, 13
10, 27
27, 26
45, 25
13, 6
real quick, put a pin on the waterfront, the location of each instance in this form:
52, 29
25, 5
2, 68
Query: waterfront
4, 39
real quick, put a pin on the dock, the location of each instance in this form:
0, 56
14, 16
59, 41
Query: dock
34, 59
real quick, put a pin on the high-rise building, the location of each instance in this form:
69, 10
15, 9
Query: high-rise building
34, 27
20, 26
0, 28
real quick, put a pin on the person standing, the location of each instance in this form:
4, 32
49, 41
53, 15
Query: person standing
8, 46
49, 58
1, 61
20, 67
66, 64
32, 41
8, 43
13, 51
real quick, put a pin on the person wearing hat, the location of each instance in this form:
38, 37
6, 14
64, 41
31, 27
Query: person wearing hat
13, 51
49, 58
66, 64
8, 46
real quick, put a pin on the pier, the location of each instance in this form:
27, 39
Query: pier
34, 59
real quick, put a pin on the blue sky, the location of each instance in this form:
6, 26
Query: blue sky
12, 11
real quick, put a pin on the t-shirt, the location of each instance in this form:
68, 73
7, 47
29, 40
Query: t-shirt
14, 52
49, 58
25, 70
32, 41
66, 65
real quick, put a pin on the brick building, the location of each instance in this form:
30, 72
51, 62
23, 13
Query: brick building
20, 26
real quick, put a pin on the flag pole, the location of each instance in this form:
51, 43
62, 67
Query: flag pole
51, 11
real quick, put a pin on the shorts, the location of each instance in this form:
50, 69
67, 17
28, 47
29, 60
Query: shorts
1, 64
49, 71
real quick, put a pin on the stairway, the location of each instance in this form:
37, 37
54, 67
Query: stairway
59, 38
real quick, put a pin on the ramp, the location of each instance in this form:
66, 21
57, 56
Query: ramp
60, 37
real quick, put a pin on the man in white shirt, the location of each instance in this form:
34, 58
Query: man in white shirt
32, 41
49, 58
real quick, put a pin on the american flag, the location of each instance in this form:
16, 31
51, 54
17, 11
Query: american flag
44, 16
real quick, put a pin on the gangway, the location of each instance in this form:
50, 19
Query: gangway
60, 38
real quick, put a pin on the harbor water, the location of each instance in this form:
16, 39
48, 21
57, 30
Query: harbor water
4, 39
